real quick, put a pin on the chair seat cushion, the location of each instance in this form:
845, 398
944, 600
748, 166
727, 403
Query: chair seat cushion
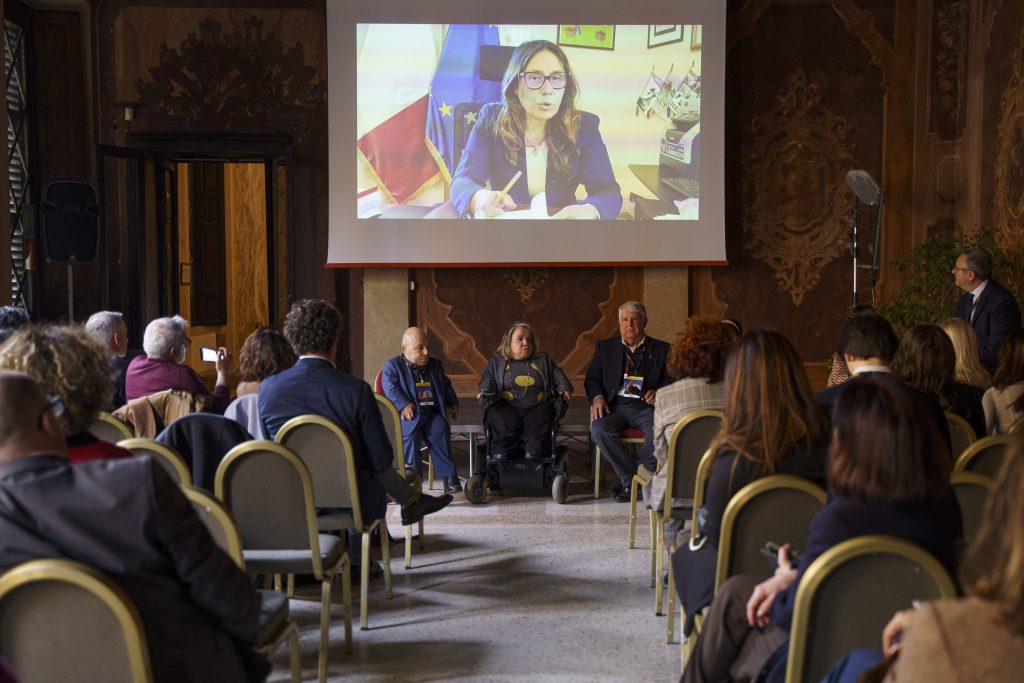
631, 433
334, 519
298, 561
273, 614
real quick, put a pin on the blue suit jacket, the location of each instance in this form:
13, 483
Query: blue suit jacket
604, 376
400, 388
484, 159
313, 387
995, 317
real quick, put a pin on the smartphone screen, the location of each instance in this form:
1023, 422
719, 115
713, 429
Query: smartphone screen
207, 354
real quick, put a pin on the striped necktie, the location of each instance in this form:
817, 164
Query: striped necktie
974, 307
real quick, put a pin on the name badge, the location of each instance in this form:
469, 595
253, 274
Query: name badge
632, 386
425, 393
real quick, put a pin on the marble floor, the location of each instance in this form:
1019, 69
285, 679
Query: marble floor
516, 589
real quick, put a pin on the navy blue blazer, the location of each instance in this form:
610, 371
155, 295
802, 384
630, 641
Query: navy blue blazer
313, 387
400, 388
995, 317
484, 160
604, 376
936, 528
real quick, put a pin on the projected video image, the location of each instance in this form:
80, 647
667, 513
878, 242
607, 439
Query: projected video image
485, 121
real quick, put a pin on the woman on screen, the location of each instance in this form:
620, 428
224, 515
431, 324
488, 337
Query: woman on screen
536, 131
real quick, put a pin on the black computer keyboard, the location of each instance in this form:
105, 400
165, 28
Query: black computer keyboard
688, 187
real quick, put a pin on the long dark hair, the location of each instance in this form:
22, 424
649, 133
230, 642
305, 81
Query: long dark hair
561, 129
1010, 368
768, 406
926, 360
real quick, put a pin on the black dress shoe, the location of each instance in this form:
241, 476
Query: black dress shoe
424, 506
452, 485
616, 488
623, 495
498, 457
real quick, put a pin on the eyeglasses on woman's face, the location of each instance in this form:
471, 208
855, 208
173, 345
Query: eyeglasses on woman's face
534, 80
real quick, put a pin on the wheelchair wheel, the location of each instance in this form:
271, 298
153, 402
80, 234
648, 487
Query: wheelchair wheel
560, 488
475, 489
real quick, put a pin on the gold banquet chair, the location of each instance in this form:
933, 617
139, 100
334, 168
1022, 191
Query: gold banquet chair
269, 491
167, 457
393, 427
327, 451
865, 580
631, 438
64, 622
689, 440
971, 490
108, 428
699, 486
1017, 427
984, 456
961, 434
279, 625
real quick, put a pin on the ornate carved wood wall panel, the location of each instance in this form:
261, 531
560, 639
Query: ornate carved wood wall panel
807, 109
467, 310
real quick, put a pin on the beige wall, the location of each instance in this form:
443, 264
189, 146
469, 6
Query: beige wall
385, 316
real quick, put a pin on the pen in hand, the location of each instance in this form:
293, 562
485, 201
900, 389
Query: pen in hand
504, 193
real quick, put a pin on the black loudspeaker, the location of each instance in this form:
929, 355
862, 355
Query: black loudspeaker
70, 222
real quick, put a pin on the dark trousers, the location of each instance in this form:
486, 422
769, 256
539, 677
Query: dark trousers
433, 429
511, 424
605, 433
729, 648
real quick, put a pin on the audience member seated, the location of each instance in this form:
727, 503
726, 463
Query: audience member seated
75, 370
839, 373
867, 345
421, 392
926, 361
980, 637
888, 473
110, 329
969, 369
166, 345
622, 381
314, 387
986, 305
265, 352
698, 359
128, 519
11, 319
518, 388
771, 426
1004, 402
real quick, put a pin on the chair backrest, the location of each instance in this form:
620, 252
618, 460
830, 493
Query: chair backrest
961, 434
971, 491
690, 439
1017, 427
378, 382
218, 521
108, 428
393, 427
848, 595
167, 457
699, 485
777, 508
269, 491
63, 621
327, 451
203, 439
984, 456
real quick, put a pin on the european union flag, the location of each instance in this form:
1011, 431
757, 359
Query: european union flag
456, 81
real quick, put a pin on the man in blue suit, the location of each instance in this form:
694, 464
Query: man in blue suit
314, 387
422, 394
989, 308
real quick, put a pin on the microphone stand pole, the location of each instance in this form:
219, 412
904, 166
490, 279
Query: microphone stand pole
878, 235
853, 246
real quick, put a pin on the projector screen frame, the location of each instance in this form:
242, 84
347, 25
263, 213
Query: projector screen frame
382, 242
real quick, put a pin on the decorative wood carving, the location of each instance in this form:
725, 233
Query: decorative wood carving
220, 79
794, 192
949, 67
1009, 169
465, 312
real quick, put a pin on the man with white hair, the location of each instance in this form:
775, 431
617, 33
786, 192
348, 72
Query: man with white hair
166, 345
110, 329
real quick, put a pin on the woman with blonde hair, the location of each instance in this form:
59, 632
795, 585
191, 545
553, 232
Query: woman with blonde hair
969, 369
75, 370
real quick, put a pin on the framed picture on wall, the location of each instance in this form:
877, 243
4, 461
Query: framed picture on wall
695, 37
663, 34
597, 37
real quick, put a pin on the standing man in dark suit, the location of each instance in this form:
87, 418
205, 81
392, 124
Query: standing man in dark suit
621, 383
422, 394
129, 520
314, 387
987, 306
